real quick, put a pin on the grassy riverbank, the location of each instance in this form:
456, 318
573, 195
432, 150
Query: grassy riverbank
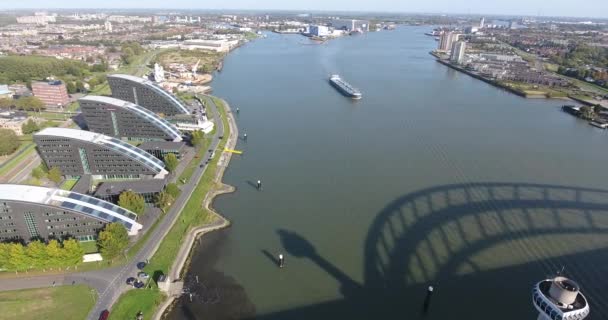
58, 303
192, 216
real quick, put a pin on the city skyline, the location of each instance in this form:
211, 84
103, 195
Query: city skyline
592, 9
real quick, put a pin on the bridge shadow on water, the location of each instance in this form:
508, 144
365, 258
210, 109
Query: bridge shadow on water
481, 245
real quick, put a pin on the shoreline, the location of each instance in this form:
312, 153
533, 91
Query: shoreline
495, 83
220, 222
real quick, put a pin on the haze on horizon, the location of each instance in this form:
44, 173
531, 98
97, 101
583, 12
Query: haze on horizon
566, 8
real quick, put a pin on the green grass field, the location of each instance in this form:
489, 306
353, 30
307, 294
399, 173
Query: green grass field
58, 303
133, 301
68, 184
89, 246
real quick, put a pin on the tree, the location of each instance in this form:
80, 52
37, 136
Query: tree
8, 142
4, 255
29, 127
587, 113
132, 201
113, 240
127, 55
6, 103
72, 252
171, 162
163, 200
597, 109
197, 138
71, 87
53, 251
173, 190
93, 82
30, 104
80, 86
18, 259
38, 173
55, 175
37, 253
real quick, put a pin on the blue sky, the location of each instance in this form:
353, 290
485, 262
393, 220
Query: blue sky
583, 8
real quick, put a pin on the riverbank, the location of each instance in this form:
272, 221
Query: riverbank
185, 251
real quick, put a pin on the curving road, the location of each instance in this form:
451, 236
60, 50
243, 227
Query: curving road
110, 283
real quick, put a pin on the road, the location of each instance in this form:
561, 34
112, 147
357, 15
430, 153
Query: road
110, 283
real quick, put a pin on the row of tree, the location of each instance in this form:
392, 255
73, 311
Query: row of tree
40, 256
30, 103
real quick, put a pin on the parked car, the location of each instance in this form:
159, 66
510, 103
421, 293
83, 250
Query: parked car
141, 265
131, 280
143, 275
104, 315
138, 284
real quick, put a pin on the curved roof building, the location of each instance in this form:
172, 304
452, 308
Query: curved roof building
78, 152
122, 119
146, 94
28, 212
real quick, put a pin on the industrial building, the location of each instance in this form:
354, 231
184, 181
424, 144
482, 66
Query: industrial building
146, 94
125, 120
29, 212
78, 153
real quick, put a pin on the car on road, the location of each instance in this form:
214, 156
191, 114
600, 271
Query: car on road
143, 275
104, 315
138, 284
141, 265
131, 280
221, 137
202, 165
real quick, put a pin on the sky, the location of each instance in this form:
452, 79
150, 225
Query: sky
582, 8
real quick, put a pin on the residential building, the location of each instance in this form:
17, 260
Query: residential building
37, 19
29, 212
78, 152
108, 26
146, 94
458, 49
350, 24
52, 93
446, 40
125, 120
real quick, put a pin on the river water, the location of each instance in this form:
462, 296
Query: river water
433, 178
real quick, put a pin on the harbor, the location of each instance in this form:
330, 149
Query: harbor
434, 179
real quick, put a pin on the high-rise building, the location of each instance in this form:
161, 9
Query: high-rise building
125, 120
146, 94
53, 93
446, 40
458, 49
78, 152
29, 212
482, 23
108, 26
559, 299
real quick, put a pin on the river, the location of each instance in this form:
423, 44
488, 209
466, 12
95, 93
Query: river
433, 178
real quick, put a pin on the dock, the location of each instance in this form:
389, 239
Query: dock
233, 151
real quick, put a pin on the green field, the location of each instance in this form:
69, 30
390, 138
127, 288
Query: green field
89, 246
64, 302
134, 301
68, 184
